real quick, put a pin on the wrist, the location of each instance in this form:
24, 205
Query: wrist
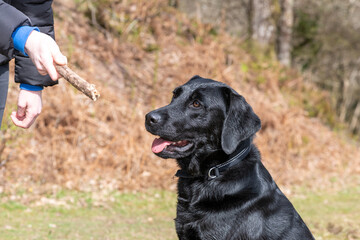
20, 36
28, 87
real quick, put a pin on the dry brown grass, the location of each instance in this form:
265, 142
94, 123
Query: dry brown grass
88, 145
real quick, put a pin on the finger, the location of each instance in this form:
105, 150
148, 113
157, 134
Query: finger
21, 107
39, 66
59, 76
23, 122
43, 72
59, 58
50, 68
20, 123
20, 113
15, 119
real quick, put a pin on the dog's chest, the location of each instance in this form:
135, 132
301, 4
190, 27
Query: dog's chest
203, 215
196, 218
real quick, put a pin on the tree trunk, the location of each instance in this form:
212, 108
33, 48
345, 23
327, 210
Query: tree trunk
355, 125
261, 28
235, 18
285, 25
173, 3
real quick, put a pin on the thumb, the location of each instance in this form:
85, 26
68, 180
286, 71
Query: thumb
21, 105
21, 109
59, 58
21, 112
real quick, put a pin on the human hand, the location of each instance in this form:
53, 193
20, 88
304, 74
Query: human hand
44, 53
29, 107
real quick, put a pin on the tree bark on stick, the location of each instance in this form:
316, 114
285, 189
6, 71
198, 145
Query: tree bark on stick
78, 82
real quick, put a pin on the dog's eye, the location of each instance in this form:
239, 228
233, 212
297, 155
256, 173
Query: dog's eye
196, 104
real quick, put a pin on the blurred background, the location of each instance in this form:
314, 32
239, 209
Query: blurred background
87, 164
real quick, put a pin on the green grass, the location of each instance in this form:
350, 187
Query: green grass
149, 215
330, 215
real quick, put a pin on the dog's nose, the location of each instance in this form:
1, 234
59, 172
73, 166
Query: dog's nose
153, 118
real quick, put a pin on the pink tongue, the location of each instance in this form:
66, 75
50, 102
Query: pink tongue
159, 144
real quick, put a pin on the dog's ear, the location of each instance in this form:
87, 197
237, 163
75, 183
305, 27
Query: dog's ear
240, 122
194, 77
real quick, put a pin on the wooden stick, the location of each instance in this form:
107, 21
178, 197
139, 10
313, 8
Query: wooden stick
78, 82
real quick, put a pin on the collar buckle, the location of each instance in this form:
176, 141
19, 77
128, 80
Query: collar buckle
216, 171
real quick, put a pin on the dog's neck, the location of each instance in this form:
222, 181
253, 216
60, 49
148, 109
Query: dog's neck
218, 167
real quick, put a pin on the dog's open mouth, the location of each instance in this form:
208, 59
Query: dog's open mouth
161, 144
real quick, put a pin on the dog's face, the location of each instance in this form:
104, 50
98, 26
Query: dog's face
203, 116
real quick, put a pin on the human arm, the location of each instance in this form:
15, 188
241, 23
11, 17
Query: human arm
29, 107
44, 53
10, 19
41, 15
37, 46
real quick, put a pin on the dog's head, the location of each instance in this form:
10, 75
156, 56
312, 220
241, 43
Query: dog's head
203, 116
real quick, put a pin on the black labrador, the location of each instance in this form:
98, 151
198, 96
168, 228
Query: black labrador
224, 191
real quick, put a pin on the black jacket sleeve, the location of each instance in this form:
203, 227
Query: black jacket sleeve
10, 19
41, 15
24, 12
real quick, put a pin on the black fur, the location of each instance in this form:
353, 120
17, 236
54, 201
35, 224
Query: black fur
244, 203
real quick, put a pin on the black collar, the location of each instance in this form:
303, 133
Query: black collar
241, 152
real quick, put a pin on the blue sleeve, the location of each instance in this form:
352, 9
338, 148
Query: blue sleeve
20, 35
29, 87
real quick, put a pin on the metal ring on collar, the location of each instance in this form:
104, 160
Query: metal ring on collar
216, 173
